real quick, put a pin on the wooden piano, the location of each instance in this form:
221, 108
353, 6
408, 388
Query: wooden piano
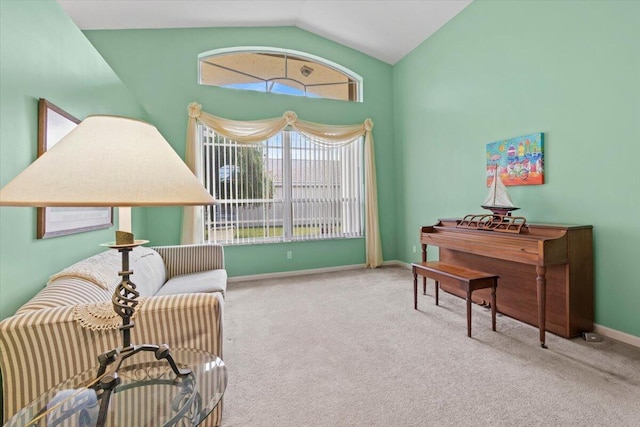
546, 271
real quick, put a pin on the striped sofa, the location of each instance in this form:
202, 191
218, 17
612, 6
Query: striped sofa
61, 331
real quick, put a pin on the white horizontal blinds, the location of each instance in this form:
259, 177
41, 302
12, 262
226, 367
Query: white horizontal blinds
285, 188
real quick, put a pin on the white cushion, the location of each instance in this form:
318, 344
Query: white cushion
206, 281
102, 270
148, 271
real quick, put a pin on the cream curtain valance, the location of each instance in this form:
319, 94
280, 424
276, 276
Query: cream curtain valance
260, 130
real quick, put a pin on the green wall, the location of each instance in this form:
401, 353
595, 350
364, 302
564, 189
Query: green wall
497, 70
160, 67
44, 55
504, 69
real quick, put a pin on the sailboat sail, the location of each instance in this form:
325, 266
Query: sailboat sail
498, 202
498, 195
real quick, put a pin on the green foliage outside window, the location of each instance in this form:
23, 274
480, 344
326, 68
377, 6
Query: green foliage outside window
240, 173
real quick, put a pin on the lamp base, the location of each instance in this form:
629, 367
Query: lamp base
115, 357
124, 303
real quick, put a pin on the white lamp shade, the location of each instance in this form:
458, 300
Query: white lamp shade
107, 161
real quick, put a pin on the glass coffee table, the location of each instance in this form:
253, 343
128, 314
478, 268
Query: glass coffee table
149, 394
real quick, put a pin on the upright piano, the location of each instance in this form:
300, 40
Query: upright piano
546, 271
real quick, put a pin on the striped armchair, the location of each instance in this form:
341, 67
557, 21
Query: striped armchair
62, 330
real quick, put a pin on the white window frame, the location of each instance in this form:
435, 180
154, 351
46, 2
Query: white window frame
350, 200
268, 49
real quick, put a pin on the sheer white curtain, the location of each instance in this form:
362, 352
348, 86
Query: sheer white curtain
260, 130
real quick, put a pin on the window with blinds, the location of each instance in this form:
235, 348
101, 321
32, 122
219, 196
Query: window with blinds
282, 189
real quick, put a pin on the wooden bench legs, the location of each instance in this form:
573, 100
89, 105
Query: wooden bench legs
493, 309
466, 279
424, 288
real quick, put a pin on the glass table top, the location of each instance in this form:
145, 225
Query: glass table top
149, 394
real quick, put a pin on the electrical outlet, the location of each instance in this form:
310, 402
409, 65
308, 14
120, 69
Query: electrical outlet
414, 249
289, 255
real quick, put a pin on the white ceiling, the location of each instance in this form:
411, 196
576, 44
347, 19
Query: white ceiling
386, 30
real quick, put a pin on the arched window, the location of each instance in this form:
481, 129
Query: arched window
269, 69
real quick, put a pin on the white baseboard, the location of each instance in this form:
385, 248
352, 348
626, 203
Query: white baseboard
311, 271
294, 273
617, 335
398, 263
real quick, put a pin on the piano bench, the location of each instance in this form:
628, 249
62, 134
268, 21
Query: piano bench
464, 278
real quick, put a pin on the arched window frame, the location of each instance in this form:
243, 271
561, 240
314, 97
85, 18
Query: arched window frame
268, 49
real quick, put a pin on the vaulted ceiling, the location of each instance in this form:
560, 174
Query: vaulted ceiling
386, 30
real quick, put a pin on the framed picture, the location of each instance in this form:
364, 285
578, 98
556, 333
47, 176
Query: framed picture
518, 161
53, 124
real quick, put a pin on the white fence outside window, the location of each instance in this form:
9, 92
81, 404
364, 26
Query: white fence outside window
282, 189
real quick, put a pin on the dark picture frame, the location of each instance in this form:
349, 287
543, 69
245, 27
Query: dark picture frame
53, 124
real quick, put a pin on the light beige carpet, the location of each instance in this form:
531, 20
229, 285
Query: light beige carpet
348, 349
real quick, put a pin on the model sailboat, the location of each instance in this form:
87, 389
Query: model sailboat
498, 200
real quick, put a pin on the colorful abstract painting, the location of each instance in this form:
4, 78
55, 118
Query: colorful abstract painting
519, 161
